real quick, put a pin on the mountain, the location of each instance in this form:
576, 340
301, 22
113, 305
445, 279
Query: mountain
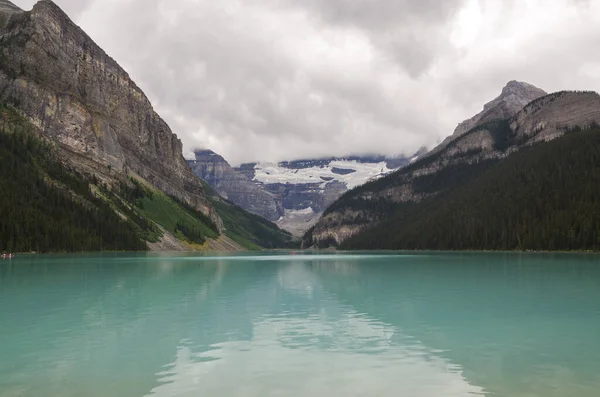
96, 128
292, 193
515, 95
513, 98
235, 186
456, 163
82, 99
524, 202
248, 230
308, 187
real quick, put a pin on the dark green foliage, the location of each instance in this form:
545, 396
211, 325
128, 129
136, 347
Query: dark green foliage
45, 207
175, 216
197, 214
449, 177
545, 197
320, 244
246, 229
192, 234
127, 201
501, 132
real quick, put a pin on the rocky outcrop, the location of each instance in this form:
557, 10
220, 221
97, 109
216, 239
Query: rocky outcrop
515, 95
7, 8
488, 139
553, 115
81, 99
235, 186
308, 187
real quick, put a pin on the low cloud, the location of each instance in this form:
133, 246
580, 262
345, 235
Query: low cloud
272, 80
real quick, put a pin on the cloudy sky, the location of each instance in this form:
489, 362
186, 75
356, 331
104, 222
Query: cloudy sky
285, 79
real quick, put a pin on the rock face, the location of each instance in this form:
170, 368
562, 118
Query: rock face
500, 130
7, 6
551, 116
515, 95
236, 186
293, 194
307, 188
80, 98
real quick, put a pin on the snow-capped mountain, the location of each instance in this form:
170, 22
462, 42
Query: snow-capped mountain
350, 172
308, 187
293, 194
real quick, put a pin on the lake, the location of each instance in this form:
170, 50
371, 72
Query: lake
274, 324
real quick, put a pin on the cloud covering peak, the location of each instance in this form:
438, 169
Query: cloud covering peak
277, 80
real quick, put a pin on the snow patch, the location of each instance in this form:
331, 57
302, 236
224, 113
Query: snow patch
270, 173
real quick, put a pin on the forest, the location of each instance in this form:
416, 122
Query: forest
45, 207
545, 197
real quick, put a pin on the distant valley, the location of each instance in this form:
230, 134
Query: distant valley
293, 194
519, 175
87, 164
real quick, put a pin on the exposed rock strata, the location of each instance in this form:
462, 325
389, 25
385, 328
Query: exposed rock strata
80, 98
543, 119
236, 186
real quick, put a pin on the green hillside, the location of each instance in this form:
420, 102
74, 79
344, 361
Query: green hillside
248, 230
545, 197
45, 207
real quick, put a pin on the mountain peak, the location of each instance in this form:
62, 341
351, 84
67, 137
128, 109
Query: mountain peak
6, 5
514, 97
204, 154
521, 92
514, 84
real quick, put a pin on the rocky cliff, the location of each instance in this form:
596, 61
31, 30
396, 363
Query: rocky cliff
514, 96
503, 128
308, 187
81, 99
293, 194
236, 186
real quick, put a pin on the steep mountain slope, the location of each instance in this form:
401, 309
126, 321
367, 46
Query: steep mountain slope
97, 127
292, 193
454, 163
46, 207
235, 186
78, 96
524, 202
248, 230
308, 187
515, 95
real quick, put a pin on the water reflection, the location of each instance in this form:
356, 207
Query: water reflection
307, 343
518, 324
418, 325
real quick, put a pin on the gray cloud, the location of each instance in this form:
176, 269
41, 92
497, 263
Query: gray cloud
282, 79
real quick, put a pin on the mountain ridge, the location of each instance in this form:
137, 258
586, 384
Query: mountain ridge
235, 186
453, 162
101, 130
295, 193
80, 97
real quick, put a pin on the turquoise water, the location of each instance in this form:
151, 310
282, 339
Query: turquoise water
289, 325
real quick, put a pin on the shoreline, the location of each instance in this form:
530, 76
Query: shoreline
299, 251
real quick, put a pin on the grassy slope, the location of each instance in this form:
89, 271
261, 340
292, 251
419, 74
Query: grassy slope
541, 198
45, 207
248, 230
180, 220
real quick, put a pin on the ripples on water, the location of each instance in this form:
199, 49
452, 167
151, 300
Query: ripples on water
280, 325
